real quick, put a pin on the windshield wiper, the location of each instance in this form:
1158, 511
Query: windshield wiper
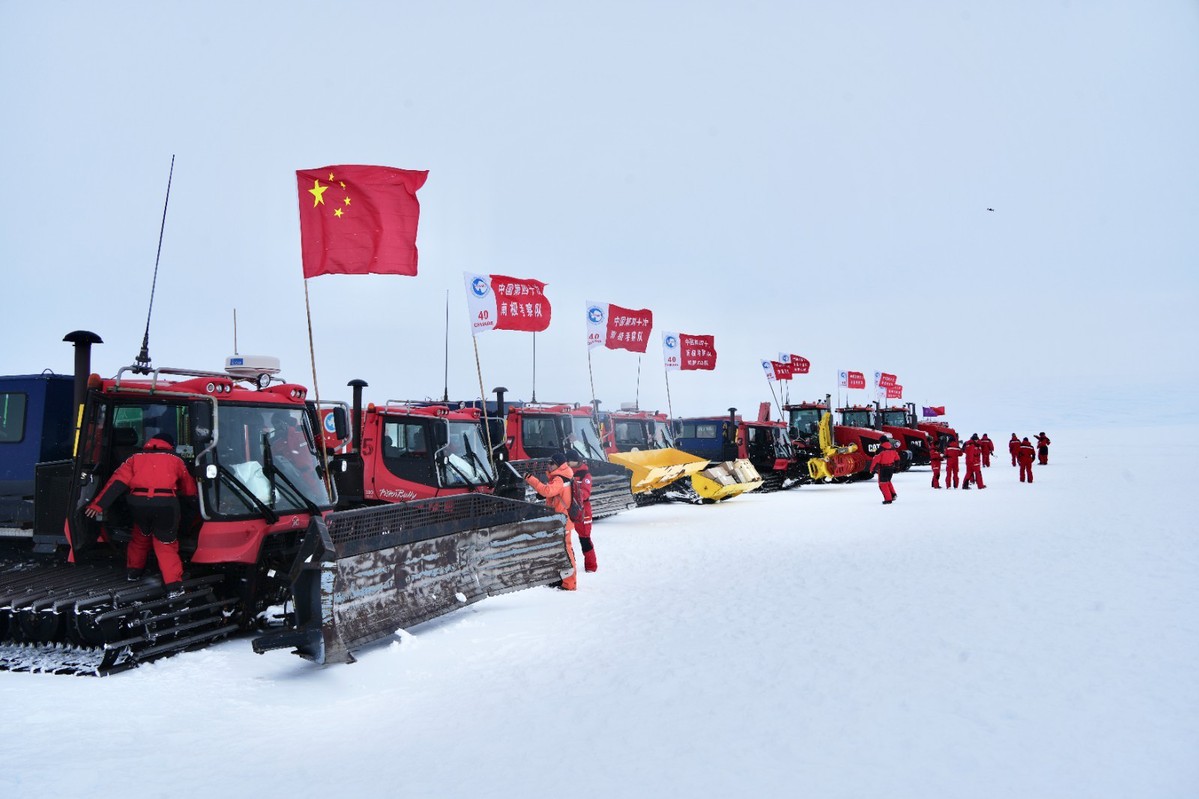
470, 451
273, 471
244, 493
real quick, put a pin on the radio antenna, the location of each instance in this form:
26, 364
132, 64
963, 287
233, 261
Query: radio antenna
142, 363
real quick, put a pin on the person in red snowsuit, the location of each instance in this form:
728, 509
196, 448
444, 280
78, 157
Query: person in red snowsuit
556, 490
988, 449
152, 481
884, 464
1012, 446
973, 453
1043, 448
581, 485
1025, 456
934, 459
952, 453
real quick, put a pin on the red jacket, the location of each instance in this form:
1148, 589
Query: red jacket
1013, 445
884, 462
556, 492
1026, 454
987, 444
935, 457
952, 453
156, 471
1043, 441
581, 486
973, 453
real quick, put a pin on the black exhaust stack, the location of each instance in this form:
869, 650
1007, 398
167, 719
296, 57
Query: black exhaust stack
356, 412
83, 341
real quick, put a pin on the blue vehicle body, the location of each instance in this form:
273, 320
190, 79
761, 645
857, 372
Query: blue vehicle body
35, 427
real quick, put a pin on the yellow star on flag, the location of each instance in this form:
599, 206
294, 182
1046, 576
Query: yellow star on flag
317, 191
337, 212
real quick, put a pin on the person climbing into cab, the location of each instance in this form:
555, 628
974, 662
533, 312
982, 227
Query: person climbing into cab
556, 490
152, 482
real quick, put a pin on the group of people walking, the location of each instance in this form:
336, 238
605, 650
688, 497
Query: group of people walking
976, 452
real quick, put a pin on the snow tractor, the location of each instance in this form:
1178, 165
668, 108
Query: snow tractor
261, 533
534, 432
895, 422
401, 451
857, 426
857, 444
643, 442
810, 426
729, 438
36, 426
940, 433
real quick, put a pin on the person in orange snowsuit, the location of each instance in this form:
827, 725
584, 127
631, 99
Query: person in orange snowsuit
556, 490
952, 453
973, 453
581, 486
1013, 446
1043, 448
884, 464
988, 449
1025, 455
934, 459
153, 480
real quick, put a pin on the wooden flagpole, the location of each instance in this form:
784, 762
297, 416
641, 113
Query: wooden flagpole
316, 393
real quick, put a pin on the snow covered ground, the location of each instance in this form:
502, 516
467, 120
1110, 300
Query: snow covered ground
1022, 641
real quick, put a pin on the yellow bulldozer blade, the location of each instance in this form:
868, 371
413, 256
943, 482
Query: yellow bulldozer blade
724, 480
657, 468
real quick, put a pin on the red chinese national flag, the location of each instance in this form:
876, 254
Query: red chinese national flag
628, 328
856, 380
697, 352
520, 304
357, 220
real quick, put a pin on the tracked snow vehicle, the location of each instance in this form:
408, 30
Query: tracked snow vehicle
856, 426
534, 432
262, 533
896, 422
729, 438
810, 425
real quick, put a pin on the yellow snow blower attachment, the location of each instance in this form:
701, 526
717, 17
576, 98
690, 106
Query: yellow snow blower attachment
834, 461
725, 480
654, 469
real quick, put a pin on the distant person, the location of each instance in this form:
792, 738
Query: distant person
1043, 448
1025, 456
988, 449
1013, 445
154, 480
580, 484
973, 453
934, 460
953, 453
556, 490
883, 464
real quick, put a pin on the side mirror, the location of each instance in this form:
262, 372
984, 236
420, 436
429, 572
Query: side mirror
341, 423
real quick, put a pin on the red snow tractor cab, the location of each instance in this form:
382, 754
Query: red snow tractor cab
401, 451
813, 436
900, 425
855, 428
534, 432
765, 444
260, 533
940, 433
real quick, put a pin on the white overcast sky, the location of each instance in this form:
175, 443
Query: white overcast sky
803, 176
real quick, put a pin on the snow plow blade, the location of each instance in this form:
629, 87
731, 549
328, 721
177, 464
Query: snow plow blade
654, 469
363, 574
724, 480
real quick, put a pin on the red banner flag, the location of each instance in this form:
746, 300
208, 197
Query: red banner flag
782, 370
618, 328
894, 392
358, 220
884, 380
853, 379
799, 365
681, 351
499, 302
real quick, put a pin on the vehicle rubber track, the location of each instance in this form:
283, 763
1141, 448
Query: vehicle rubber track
679, 491
89, 620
